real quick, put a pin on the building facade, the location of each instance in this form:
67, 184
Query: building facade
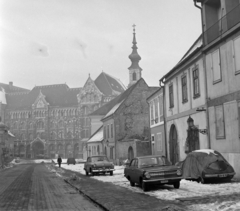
156, 111
221, 30
53, 120
185, 93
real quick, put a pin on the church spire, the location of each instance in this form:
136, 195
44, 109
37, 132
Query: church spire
134, 69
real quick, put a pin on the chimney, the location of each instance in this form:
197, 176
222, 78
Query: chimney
10, 84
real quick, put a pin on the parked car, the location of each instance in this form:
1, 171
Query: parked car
98, 164
154, 169
206, 165
71, 161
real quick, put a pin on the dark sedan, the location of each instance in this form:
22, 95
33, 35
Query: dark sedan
152, 169
98, 164
206, 165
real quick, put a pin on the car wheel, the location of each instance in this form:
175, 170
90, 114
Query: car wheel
92, 173
144, 186
131, 182
111, 173
202, 180
176, 185
86, 172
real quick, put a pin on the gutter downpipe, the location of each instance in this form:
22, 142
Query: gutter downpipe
205, 73
165, 129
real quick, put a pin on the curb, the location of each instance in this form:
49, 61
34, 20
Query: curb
87, 196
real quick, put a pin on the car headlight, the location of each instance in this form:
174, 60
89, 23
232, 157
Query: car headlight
179, 172
147, 175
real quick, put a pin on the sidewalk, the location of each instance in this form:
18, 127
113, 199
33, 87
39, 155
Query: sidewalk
115, 198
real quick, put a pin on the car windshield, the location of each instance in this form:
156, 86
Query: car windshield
100, 158
153, 161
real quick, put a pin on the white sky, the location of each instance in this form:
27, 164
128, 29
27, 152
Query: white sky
61, 41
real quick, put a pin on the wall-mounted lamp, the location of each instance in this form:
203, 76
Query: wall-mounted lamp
201, 109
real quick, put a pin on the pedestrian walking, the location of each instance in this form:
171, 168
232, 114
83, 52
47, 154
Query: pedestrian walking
59, 160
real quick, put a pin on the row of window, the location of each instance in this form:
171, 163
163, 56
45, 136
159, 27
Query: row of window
53, 135
196, 88
156, 110
53, 124
216, 61
108, 131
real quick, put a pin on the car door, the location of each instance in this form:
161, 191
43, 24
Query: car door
137, 171
132, 170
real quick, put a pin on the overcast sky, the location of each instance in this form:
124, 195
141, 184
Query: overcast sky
46, 42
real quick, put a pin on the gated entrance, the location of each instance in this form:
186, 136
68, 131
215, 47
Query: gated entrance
38, 149
173, 145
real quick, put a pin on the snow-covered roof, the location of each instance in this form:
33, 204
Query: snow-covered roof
113, 109
97, 137
208, 151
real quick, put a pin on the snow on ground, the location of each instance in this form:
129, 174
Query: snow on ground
167, 192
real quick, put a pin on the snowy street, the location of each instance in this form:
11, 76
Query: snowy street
221, 196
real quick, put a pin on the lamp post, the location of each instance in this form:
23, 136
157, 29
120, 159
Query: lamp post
3, 134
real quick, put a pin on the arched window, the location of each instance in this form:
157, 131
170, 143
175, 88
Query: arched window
60, 124
53, 135
40, 125
69, 134
134, 76
60, 134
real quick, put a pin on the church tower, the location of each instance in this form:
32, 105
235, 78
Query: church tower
134, 70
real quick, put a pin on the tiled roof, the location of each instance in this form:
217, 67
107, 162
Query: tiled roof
55, 95
12, 89
108, 106
109, 85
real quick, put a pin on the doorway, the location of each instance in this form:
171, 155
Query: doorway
173, 145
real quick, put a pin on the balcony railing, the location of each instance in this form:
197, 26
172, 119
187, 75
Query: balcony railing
223, 25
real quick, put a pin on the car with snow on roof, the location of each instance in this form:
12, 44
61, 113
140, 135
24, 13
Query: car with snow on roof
153, 169
206, 165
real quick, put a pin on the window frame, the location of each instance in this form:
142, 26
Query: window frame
216, 123
234, 55
184, 88
195, 77
212, 66
238, 107
171, 97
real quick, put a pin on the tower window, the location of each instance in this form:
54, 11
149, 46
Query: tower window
134, 76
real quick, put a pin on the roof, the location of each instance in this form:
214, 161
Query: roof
113, 109
97, 136
109, 85
159, 88
197, 45
55, 95
108, 106
8, 88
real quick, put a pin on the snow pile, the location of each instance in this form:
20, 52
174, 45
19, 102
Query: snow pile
221, 195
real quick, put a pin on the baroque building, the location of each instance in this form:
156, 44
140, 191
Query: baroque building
53, 119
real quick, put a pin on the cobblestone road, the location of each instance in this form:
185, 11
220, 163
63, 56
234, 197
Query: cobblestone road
116, 198
33, 187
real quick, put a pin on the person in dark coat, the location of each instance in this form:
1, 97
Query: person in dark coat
59, 160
